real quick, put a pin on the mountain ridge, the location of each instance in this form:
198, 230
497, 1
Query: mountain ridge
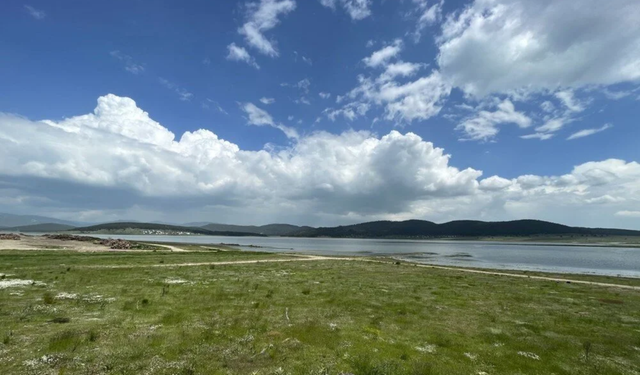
12, 220
458, 228
153, 228
44, 227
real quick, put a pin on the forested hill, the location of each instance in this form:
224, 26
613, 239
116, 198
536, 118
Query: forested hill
45, 227
268, 230
153, 228
460, 228
374, 229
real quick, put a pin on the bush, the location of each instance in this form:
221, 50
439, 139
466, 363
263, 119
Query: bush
60, 320
48, 298
93, 335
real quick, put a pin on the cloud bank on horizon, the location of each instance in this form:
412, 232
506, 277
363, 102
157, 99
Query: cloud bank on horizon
487, 72
118, 154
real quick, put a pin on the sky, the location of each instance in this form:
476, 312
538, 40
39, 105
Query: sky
321, 112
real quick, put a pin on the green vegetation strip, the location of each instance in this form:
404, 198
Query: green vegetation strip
322, 317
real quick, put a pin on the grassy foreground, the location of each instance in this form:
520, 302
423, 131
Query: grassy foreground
311, 317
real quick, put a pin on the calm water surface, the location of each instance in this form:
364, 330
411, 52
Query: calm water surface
548, 258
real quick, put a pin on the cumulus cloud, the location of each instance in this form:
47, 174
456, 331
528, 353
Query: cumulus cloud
240, 54
262, 17
324, 95
403, 101
118, 161
484, 125
587, 132
538, 45
356, 9
382, 56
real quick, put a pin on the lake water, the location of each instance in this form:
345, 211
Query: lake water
499, 255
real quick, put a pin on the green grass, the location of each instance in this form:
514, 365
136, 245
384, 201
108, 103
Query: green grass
315, 317
65, 259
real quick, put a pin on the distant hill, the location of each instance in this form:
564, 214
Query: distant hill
268, 230
46, 227
460, 228
196, 224
153, 228
11, 220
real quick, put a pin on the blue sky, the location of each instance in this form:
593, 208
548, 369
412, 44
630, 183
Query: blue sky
500, 85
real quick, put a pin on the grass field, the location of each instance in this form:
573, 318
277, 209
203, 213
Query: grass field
311, 317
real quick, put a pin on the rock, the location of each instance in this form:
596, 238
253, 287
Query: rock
9, 236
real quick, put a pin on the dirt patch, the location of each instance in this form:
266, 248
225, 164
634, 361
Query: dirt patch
48, 243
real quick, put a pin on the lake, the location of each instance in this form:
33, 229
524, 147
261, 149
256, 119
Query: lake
609, 261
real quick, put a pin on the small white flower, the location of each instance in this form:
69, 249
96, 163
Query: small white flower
426, 349
530, 355
471, 356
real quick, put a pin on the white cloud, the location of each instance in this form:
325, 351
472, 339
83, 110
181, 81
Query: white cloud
568, 99
354, 176
240, 54
539, 45
267, 101
404, 102
556, 119
129, 64
262, 17
633, 214
484, 124
350, 111
302, 100
429, 15
417, 100
547, 106
553, 125
357, 9
183, 94
400, 69
618, 94
35, 13
382, 56
303, 85
540, 136
495, 183
324, 95
207, 103
307, 60
588, 132
260, 117
329, 3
